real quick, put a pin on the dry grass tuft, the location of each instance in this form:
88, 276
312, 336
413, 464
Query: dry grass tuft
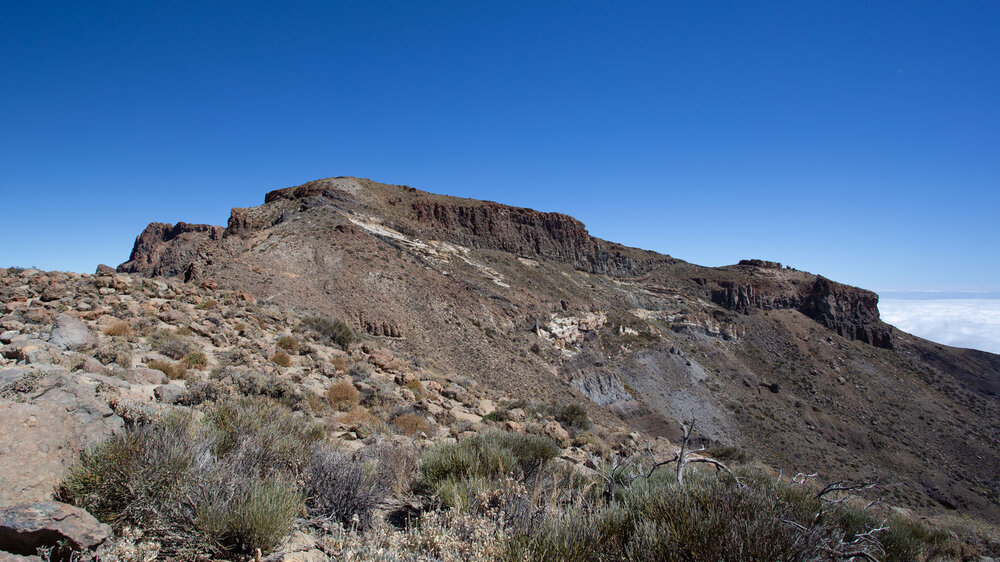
411, 424
281, 359
173, 370
120, 328
343, 396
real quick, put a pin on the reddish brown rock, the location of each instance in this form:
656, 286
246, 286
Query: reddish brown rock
167, 250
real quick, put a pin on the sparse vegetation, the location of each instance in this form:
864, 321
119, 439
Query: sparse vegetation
281, 359
120, 328
222, 486
238, 460
173, 369
289, 344
343, 396
116, 350
195, 360
335, 330
411, 423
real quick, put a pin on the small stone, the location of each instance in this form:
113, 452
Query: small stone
381, 358
486, 407
513, 426
168, 393
142, 375
554, 430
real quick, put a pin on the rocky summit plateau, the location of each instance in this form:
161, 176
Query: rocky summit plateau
386, 332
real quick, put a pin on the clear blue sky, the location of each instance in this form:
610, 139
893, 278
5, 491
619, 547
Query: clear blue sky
859, 140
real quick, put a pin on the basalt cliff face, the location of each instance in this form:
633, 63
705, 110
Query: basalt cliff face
792, 366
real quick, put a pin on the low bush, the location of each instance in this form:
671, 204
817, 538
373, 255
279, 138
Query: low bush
335, 330
727, 453
343, 489
715, 517
487, 454
339, 364
411, 424
343, 396
195, 360
573, 417
281, 439
207, 305
120, 328
173, 370
219, 487
289, 344
170, 343
362, 422
281, 359
417, 388
116, 350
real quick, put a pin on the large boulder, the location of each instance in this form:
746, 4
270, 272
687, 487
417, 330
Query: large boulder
72, 333
47, 416
26, 527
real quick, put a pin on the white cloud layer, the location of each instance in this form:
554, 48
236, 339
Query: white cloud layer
971, 323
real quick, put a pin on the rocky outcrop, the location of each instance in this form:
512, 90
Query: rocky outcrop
243, 220
530, 233
167, 250
849, 311
745, 298
763, 264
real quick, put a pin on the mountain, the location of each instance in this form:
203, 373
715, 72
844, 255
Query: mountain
790, 366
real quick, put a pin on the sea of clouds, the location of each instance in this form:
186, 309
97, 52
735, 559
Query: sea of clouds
959, 322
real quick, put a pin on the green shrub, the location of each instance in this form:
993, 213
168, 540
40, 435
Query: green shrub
218, 487
712, 516
195, 360
488, 454
280, 439
259, 517
727, 453
573, 417
289, 344
207, 305
335, 330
